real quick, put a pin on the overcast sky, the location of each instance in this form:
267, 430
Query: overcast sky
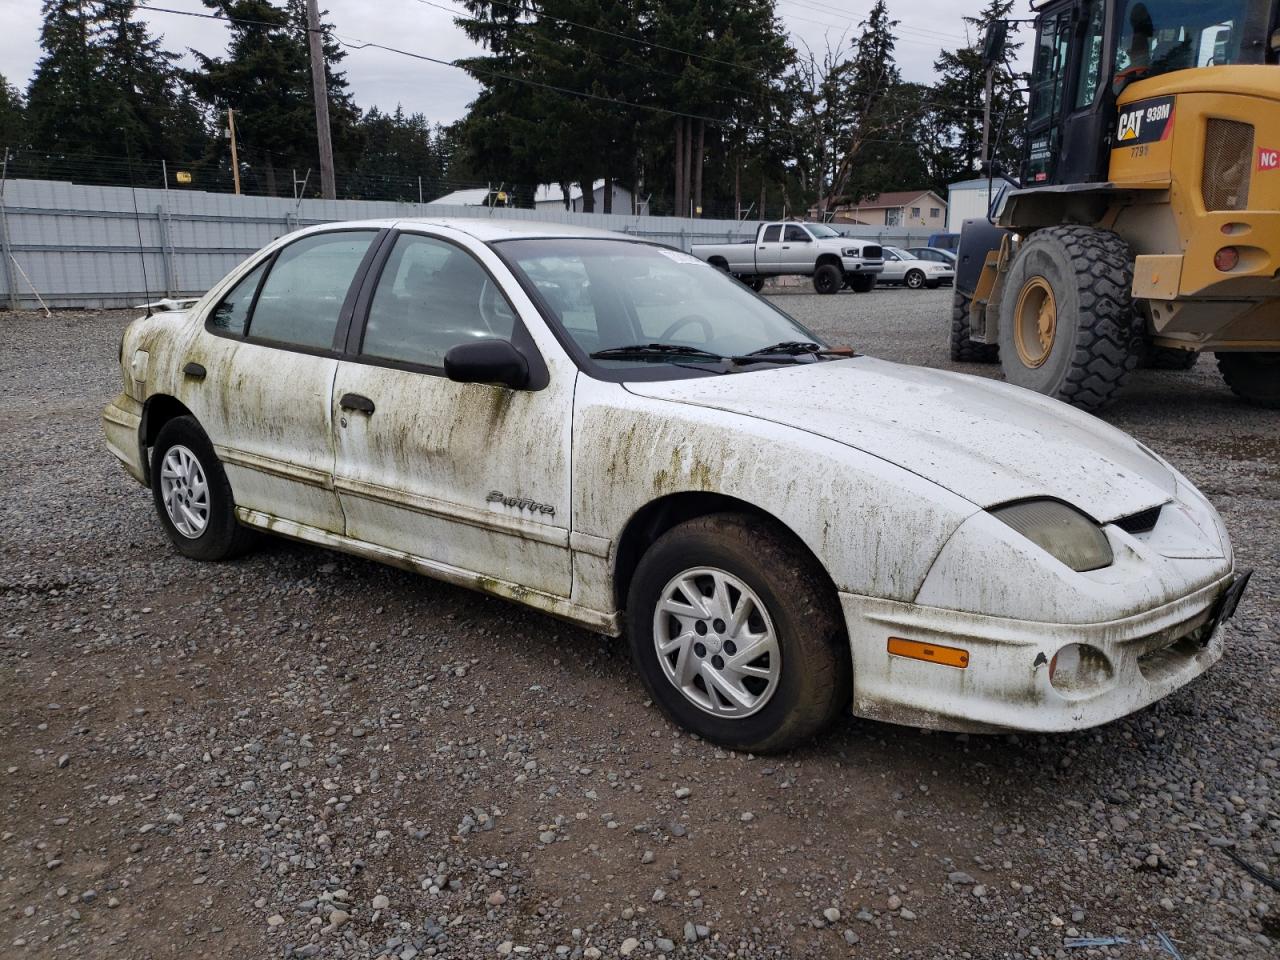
382, 79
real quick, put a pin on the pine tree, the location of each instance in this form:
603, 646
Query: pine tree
959, 92
13, 121
154, 114
66, 107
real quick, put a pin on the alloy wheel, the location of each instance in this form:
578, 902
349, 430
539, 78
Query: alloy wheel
184, 491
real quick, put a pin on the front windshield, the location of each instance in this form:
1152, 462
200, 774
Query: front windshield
821, 231
1160, 36
606, 294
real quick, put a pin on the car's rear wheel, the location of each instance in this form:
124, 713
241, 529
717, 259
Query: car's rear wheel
192, 495
737, 634
755, 283
1253, 377
914, 279
828, 278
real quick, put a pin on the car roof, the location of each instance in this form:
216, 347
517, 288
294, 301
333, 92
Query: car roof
484, 229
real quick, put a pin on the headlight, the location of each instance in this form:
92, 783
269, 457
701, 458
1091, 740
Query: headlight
1060, 531
850, 252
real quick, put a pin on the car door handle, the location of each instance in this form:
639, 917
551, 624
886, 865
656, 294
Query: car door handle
354, 401
194, 369
785, 247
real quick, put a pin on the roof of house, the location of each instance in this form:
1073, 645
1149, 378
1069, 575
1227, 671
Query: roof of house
897, 199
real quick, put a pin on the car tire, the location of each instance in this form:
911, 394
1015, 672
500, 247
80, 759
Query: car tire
793, 607
1068, 328
1253, 377
756, 284
862, 282
192, 495
964, 350
914, 279
828, 279
1169, 358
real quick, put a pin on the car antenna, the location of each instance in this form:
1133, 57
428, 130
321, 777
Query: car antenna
137, 222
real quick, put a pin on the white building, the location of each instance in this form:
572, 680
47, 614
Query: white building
967, 200
551, 196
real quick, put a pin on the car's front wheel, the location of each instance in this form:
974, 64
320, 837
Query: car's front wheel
914, 279
737, 633
192, 495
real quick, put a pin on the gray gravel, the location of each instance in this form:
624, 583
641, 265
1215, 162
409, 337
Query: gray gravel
303, 754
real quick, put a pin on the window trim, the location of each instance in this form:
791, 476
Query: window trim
344, 314
521, 339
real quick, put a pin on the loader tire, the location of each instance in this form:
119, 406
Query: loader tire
1068, 328
964, 350
1253, 377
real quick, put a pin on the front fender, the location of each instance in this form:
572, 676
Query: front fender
875, 527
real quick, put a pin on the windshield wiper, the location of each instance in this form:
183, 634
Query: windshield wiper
793, 348
646, 350
791, 351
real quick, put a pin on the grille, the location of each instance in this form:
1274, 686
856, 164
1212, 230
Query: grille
872, 252
1228, 165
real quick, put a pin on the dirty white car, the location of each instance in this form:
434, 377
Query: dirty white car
620, 435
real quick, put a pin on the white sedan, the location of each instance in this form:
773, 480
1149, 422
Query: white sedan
616, 433
904, 267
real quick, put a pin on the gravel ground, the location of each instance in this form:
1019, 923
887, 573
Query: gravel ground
304, 754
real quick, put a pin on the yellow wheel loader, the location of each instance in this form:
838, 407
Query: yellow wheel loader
1146, 224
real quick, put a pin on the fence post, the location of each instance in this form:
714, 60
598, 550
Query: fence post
683, 246
10, 281
166, 253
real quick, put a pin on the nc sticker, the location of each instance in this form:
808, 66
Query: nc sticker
1268, 159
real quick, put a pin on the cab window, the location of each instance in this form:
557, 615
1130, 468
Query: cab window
431, 297
1091, 62
302, 297
796, 234
771, 233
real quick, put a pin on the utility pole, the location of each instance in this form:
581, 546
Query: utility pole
235, 158
320, 92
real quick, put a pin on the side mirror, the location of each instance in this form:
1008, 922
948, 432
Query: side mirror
487, 361
993, 44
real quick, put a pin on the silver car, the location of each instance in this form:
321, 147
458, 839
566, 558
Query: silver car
902, 266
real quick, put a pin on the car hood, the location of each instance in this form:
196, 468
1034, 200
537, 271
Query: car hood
986, 441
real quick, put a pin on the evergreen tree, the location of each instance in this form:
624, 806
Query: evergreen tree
960, 95
265, 78
154, 114
67, 111
13, 121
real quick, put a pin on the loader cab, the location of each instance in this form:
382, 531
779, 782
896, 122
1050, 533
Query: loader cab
1088, 51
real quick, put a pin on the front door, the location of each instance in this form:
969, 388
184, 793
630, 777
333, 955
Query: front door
469, 477
797, 249
267, 352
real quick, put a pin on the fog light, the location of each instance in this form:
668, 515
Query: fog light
1227, 259
1078, 670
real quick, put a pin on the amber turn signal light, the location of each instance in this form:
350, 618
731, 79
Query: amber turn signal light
929, 652
1227, 259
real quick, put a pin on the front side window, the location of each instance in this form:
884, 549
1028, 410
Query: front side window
302, 297
796, 234
431, 297
606, 294
1091, 61
1050, 65
231, 315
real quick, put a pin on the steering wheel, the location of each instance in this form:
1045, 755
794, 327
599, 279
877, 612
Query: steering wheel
685, 321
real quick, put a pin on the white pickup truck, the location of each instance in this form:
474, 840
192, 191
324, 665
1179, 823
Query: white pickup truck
798, 249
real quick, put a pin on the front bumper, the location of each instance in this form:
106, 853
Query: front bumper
121, 420
852, 265
1006, 685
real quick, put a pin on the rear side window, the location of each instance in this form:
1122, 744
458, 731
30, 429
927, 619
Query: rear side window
771, 233
231, 315
302, 297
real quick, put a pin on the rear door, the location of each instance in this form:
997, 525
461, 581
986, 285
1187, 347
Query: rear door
268, 356
471, 478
